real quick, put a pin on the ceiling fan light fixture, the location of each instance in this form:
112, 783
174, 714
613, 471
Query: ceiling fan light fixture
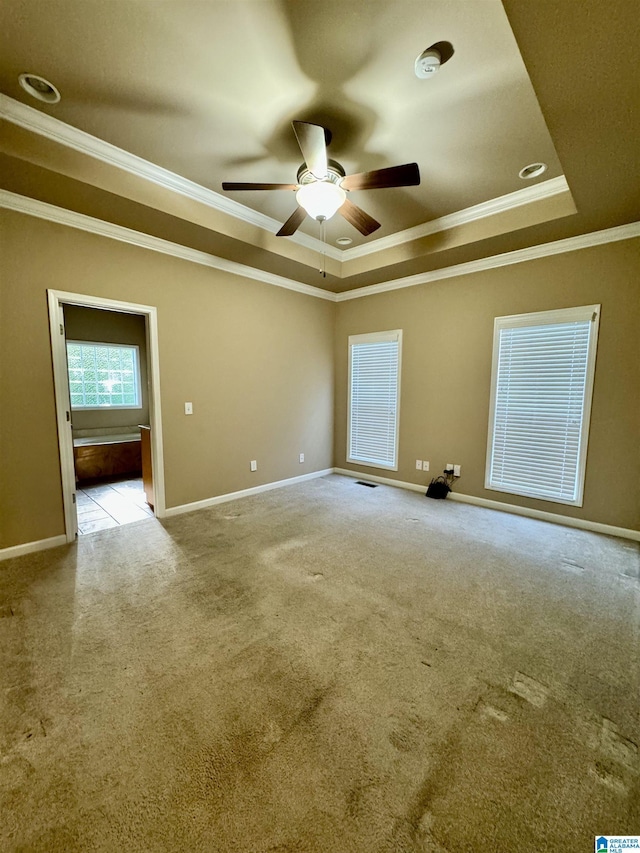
321, 199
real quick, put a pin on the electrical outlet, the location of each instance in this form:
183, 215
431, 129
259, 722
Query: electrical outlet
425, 464
254, 465
418, 464
302, 457
188, 408
456, 470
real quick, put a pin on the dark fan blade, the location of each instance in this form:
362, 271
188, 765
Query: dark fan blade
293, 222
358, 218
395, 176
227, 185
314, 150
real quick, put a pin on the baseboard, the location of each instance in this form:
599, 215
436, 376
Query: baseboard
385, 481
244, 493
31, 547
541, 515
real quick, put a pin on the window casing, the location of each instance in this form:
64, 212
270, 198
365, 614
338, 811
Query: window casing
374, 399
541, 389
103, 375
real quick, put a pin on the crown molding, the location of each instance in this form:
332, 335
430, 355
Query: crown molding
492, 207
61, 216
519, 256
58, 131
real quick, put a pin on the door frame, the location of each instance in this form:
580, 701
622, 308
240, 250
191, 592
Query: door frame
56, 300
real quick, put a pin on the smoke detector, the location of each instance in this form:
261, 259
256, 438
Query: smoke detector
428, 63
39, 88
430, 60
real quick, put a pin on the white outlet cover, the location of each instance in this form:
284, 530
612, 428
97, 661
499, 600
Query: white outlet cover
418, 464
188, 408
254, 465
301, 457
425, 465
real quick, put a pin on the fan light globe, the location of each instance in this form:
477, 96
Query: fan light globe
321, 199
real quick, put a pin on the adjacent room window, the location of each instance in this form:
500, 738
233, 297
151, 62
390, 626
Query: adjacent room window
542, 380
103, 375
374, 392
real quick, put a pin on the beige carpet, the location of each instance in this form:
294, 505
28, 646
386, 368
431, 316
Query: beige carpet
322, 668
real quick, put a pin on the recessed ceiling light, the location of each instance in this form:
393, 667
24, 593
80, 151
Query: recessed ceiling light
533, 170
344, 241
39, 88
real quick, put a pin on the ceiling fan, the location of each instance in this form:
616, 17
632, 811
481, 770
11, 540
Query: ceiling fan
322, 185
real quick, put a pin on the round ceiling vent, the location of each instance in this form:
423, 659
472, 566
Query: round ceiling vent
533, 170
344, 241
39, 88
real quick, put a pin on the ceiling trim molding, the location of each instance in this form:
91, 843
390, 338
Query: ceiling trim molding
82, 222
542, 250
85, 143
65, 134
501, 204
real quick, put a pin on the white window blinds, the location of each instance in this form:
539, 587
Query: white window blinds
543, 366
374, 384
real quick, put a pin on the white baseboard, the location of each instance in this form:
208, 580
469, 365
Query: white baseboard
31, 547
386, 481
541, 515
244, 493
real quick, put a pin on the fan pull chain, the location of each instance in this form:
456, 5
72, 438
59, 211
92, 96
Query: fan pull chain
323, 264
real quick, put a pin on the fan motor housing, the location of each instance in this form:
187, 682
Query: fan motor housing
335, 173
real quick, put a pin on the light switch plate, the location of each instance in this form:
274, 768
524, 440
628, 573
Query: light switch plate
188, 408
254, 465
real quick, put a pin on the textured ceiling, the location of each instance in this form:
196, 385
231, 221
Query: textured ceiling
208, 91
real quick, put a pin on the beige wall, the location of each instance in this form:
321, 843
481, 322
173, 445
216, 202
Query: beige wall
256, 361
258, 364
111, 327
446, 371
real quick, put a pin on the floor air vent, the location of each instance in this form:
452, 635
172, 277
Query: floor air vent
370, 485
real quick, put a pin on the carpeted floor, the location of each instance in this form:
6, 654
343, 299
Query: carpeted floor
319, 669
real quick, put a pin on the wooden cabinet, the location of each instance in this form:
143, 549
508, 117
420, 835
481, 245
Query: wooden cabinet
147, 470
106, 459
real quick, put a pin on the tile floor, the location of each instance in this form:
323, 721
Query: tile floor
109, 503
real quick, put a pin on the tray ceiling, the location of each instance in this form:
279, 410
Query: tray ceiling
206, 91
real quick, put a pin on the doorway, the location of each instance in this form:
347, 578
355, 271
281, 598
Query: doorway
101, 479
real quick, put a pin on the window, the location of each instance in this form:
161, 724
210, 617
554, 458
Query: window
374, 390
103, 376
542, 379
